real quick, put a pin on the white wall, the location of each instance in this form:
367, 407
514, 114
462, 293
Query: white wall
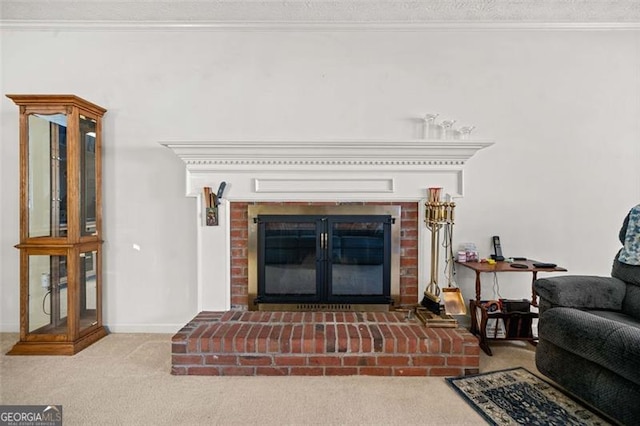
563, 107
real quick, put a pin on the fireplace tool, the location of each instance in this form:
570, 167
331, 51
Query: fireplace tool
451, 294
437, 214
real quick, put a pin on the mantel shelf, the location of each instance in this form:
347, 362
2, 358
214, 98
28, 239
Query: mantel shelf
273, 154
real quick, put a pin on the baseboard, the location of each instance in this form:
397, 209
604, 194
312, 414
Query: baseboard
116, 328
10, 328
144, 328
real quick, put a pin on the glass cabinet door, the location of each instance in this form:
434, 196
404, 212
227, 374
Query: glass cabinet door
88, 299
47, 175
47, 294
88, 176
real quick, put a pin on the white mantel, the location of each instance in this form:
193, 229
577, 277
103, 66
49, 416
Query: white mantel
414, 152
321, 163
319, 170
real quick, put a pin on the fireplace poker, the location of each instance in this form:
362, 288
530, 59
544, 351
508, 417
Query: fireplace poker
437, 214
431, 299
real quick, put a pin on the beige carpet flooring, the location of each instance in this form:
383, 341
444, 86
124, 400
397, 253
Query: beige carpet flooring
124, 379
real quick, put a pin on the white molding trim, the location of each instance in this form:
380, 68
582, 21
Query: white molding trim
317, 14
10, 327
145, 328
249, 26
335, 185
115, 328
338, 170
398, 155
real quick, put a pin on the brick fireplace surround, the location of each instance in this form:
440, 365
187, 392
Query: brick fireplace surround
226, 339
238, 342
240, 242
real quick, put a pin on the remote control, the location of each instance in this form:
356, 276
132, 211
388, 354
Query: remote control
519, 266
544, 265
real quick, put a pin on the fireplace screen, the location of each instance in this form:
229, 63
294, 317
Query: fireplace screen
332, 259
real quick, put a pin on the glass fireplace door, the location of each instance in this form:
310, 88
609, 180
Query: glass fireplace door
359, 270
289, 259
337, 259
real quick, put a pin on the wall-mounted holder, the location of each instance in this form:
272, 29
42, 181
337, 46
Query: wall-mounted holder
212, 201
210, 207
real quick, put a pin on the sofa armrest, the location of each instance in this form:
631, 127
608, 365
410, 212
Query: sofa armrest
581, 291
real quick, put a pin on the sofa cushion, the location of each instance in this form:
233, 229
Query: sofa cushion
627, 273
631, 302
630, 274
612, 344
616, 316
598, 386
582, 291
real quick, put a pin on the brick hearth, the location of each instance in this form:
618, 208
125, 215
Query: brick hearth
408, 250
320, 344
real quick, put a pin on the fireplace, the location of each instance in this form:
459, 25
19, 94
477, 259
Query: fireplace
294, 176
322, 257
318, 172
404, 261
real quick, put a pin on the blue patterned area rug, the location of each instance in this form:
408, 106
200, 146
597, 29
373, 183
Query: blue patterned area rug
518, 397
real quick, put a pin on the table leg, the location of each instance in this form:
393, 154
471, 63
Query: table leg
534, 295
484, 342
479, 330
485, 347
474, 323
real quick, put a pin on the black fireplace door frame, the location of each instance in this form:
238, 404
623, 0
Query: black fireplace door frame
328, 247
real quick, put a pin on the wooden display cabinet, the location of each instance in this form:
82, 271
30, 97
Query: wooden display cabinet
60, 224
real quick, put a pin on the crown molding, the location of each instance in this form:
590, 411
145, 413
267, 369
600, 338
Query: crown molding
22, 25
395, 15
334, 155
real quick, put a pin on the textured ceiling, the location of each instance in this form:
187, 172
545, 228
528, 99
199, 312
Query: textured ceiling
317, 11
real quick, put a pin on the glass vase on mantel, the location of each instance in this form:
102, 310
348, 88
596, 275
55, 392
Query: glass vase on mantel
432, 130
465, 132
448, 131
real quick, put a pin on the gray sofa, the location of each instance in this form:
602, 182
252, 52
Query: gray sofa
589, 338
